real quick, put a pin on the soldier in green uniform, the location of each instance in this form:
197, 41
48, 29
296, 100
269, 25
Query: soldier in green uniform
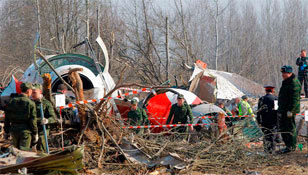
137, 116
20, 119
70, 115
49, 115
288, 106
180, 112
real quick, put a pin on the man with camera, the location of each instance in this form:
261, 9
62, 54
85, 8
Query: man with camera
301, 62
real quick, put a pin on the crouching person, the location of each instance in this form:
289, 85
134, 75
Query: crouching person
137, 117
49, 115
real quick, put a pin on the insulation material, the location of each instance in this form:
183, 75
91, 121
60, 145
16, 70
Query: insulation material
210, 85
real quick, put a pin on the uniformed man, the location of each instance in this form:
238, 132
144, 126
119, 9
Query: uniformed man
70, 115
62, 89
181, 114
302, 64
288, 106
244, 107
20, 119
267, 118
137, 116
234, 106
49, 115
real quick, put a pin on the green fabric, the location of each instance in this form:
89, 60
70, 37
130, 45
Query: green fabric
41, 142
138, 117
180, 114
244, 108
49, 114
288, 131
21, 140
249, 128
20, 115
227, 111
289, 96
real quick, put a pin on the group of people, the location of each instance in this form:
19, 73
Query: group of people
280, 118
274, 115
26, 113
25, 116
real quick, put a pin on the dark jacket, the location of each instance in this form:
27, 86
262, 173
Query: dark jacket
138, 117
20, 115
302, 64
180, 114
289, 96
267, 115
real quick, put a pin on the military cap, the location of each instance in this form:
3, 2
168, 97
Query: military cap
286, 69
244, 97
133, 101
269, 87
37, 86
25, 86
180, 96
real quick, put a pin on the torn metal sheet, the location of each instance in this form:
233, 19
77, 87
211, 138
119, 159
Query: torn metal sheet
172, 160
137, 156
133, 153
205, 109
67, 161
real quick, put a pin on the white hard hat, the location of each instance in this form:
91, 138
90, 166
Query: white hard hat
136, 98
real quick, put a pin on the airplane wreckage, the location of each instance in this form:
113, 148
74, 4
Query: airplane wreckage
96, 80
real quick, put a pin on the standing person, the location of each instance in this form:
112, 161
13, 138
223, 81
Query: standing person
289, 105
62, 89
69, 114
49, 115
180, 112
137, 116
235, 104
244, 107
267, 118
301, 62
20, 119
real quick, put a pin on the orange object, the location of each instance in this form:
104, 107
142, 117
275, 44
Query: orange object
201, 64
222, 127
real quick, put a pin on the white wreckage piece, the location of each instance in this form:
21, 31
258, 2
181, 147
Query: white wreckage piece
94, 85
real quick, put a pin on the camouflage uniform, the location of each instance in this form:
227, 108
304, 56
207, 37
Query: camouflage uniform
138, 117
49, 114
289, 100
21, 121
181, 114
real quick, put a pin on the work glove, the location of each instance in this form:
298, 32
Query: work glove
35, 138
6, 136
60, 120
191, 128
289, 114
44, 121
